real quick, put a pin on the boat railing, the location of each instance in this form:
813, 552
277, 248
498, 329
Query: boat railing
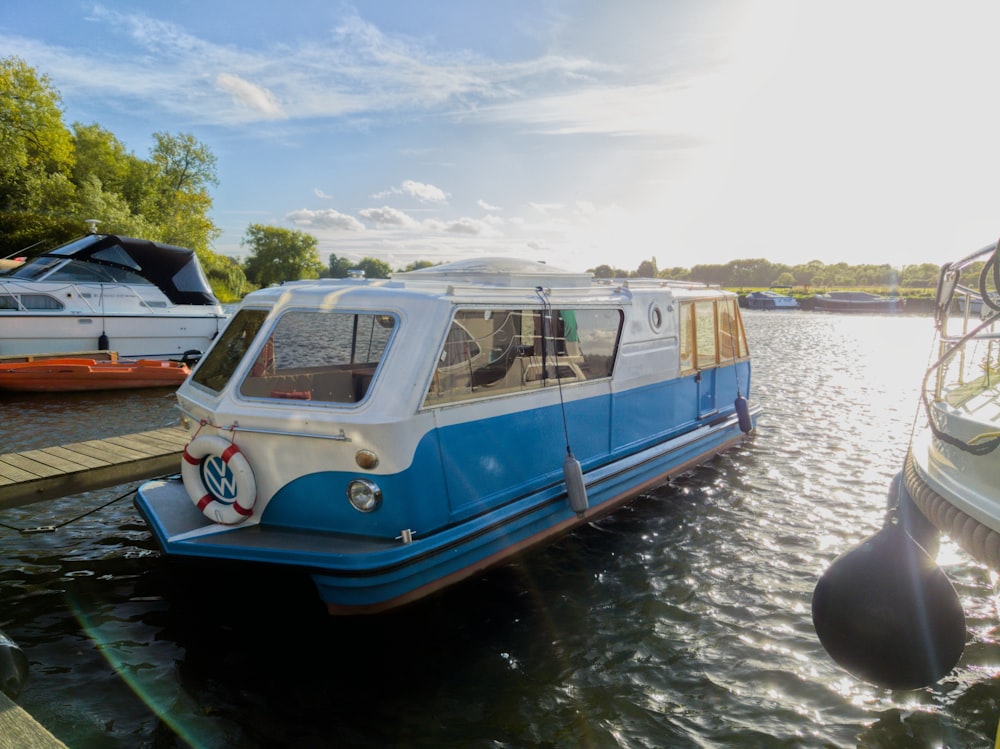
967, 348
16, 290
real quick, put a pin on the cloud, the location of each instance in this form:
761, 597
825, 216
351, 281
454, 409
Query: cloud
320, 194
487, 207
388, 217
421, 191
354, 73
255, 97
465, 226
327, 219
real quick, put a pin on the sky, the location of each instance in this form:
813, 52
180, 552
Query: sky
578, 133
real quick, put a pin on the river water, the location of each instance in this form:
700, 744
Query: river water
681, 621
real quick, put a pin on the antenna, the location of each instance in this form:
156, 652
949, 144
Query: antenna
92, 224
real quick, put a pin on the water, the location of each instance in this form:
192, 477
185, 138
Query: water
681, 621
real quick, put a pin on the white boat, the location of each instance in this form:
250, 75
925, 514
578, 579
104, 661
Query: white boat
139, 298
952, 471
391, 437
884, 610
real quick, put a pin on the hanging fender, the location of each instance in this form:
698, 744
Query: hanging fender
231, 491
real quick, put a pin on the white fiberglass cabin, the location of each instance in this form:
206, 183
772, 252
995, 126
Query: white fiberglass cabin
139, 298
391, 437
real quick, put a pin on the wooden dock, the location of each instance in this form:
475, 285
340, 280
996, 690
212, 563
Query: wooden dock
18, 730
62, 471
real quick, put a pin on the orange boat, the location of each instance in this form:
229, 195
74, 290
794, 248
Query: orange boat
66, 375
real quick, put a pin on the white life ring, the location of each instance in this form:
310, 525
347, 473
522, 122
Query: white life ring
237, 485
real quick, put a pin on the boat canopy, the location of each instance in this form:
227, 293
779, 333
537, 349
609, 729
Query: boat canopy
108, 258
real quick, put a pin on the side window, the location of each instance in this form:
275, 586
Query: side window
711, 333
705, 341
687, 337
493, 351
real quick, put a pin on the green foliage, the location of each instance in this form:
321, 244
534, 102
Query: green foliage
374, 268
418, 264
339, 267
278, 255
53, 179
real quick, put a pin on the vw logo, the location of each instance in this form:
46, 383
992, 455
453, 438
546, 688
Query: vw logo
218, 478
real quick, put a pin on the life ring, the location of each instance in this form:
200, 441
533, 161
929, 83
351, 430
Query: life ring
234, 489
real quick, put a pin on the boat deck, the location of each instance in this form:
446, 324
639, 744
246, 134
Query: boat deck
61, 471
978, 399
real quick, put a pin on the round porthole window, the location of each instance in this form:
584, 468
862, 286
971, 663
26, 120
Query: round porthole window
655, 317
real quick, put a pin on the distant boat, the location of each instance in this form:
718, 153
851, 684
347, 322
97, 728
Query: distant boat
856, 301
772, 299
142, 299
61, 375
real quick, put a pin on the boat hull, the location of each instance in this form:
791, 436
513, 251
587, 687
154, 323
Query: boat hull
366, 575
74, 375
148, 336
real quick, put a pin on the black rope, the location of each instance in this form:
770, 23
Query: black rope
547, 323
57, 526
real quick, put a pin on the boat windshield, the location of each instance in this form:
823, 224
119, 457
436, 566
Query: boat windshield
35, 268
310, 355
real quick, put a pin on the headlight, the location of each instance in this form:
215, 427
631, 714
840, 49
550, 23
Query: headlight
365, 495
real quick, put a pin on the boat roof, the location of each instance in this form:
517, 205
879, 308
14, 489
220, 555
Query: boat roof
175, 270
477, 280
499, 271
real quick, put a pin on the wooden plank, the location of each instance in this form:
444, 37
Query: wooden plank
66, 470
76, 456
13, 473
18, 730
56, 462
31, 466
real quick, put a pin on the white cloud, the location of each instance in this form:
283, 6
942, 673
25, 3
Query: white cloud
327, 219
421, 191
487, 206
468, 226
388, 217
320, 194
251, 95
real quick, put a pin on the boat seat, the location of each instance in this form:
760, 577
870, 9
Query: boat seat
331, 386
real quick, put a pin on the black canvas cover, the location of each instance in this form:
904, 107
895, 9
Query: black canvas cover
175, 270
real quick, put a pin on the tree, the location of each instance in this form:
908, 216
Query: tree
603, 271
374, 268
36, 151
339, 267
418, 264
278, 255
647, 269
184, 168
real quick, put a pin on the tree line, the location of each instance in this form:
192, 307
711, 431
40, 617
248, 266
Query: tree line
54, 177
761, 273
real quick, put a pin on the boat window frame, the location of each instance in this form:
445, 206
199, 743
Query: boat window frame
51, 303
355, 389
727, 334
516, 367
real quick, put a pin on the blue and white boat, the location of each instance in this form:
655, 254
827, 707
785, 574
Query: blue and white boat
392, 437
775, 298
